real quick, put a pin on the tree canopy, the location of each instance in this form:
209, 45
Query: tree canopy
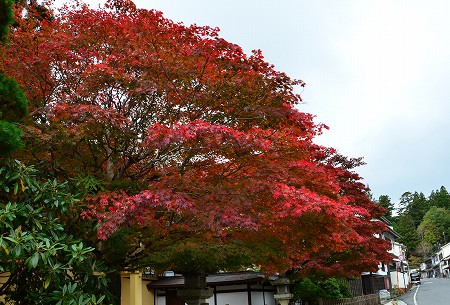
408, 231
440, 198
435, 225
207, 162
386, 203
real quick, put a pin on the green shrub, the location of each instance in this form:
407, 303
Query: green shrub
312, 291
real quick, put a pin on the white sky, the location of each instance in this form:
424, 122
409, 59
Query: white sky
377, 73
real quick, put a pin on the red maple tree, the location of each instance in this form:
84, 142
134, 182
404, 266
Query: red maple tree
208, 161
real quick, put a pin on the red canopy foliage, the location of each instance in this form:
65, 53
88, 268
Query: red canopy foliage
210, 164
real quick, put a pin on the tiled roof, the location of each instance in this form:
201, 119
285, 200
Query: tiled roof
219, 279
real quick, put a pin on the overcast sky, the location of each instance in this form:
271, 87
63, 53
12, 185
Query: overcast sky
377, 73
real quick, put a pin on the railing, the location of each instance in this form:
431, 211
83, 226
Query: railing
369, 299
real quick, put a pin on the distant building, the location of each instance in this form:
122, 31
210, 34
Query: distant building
444, 258
398, 267
437, 265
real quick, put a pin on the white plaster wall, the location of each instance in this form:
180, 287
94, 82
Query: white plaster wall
446, 250
161, 300
235, 298
403, 279
259, 299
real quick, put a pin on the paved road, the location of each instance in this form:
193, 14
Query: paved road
430, 292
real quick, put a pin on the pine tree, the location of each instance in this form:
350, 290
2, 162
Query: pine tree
385, 202
13, 102
407, 229
440, 198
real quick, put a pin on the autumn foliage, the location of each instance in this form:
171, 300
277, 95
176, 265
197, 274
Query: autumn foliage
207, 161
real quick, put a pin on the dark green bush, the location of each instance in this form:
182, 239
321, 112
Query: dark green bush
312, 291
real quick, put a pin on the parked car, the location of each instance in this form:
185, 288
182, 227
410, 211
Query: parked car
415, 278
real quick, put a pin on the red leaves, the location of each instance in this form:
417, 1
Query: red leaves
205, 135
114, 210
121, 6
85, 114
198, 141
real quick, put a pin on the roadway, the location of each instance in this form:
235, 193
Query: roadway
433, 291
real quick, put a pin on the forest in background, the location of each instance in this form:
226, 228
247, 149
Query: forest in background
423, 222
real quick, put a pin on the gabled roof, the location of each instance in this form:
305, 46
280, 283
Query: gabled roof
395, 234
219, 279
385, 220
389, 227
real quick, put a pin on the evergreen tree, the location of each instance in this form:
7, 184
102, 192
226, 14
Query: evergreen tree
440, 198
13, 102
385, 202
414, 204
13, 106
407, 229
6, 17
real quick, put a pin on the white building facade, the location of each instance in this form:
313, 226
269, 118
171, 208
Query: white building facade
399, 272
443, 258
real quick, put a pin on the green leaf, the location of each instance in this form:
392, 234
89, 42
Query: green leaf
44, 258
11, 239
47, 282
17, 250
35, 260
37, 197
72, 287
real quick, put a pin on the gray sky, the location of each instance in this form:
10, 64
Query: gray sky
377, 73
